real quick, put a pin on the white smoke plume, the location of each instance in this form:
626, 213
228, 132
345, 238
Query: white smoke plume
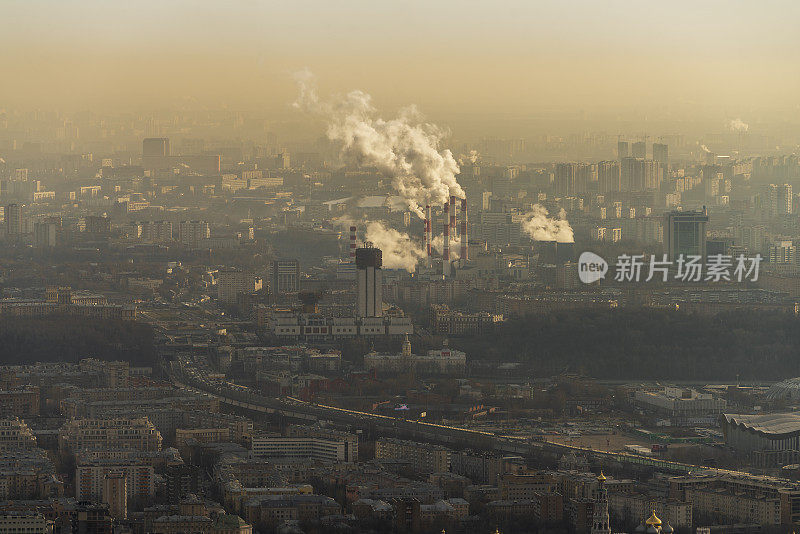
541, 227
471, 158
399, 250
405, 148
455, 245
737, 125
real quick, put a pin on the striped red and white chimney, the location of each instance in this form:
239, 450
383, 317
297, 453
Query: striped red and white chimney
446, 225
353, 244
428, 233
464, 238
453, 226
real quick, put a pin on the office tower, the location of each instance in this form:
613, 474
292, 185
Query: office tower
115, 495
639, 149
623, 150
155, 147
608, 177
285, 276
370, 282
14, 221
685, 233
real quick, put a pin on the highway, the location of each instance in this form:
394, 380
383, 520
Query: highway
193, 374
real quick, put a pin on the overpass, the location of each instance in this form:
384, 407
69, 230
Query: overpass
242, 398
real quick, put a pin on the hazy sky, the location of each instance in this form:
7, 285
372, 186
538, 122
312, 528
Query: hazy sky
448, 55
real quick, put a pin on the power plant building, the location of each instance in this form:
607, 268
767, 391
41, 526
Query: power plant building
370, 282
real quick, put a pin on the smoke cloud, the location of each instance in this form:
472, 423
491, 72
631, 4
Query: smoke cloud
399, 250
538, 224
472, 157
404, 148
455, 245
737, 125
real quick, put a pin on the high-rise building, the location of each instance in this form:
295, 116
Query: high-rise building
45, 234
639, 149
661, 154
285, 275
608, 177
14, 221
638, 174
370, 282
623, 150
785, 199
565, 178
685, 233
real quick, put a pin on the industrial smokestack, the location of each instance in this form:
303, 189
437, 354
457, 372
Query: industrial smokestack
446, 249
428, 233
464, 238
353, 244
453, 225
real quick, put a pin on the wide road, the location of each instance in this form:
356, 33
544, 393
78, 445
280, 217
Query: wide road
192, 375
